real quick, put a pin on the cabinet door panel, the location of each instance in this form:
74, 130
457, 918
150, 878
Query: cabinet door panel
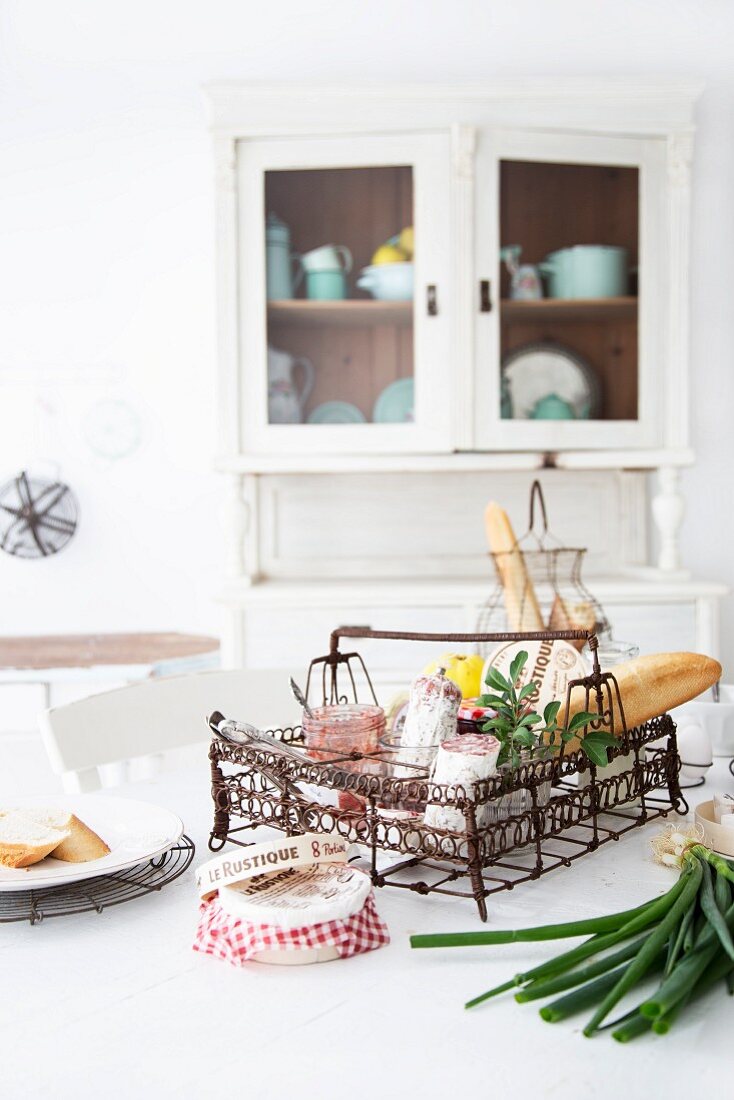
339, 353
570, 228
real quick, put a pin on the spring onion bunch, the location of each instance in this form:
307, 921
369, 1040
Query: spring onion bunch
683, 939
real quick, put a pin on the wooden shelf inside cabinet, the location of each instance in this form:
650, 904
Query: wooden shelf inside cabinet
568, 309
357, 311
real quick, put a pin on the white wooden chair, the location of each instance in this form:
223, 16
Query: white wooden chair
141, 722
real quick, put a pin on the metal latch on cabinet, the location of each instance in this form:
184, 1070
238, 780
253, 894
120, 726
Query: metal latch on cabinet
431, 300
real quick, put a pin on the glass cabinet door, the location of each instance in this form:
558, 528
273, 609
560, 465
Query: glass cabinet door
344, 298
568, 359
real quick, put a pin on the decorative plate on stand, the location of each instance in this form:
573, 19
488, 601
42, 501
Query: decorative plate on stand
540, 373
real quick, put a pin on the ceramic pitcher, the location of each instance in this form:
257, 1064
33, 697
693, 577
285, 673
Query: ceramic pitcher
286, 402
282, 279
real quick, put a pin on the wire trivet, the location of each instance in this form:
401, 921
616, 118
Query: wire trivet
96, 894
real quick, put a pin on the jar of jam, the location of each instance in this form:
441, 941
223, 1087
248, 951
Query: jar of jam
333, 732
472, 716
343, 729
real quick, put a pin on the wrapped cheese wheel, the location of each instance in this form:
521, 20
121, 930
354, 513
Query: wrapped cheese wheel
432, 710
303, 911
551, 665
462, 761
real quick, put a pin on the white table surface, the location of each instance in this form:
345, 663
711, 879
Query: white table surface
118, 1005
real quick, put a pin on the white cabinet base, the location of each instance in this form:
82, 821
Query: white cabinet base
286, 624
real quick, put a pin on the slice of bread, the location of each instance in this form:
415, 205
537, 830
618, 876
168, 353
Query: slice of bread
80, 843
24, 841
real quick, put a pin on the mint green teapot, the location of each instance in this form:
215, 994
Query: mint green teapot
552, 407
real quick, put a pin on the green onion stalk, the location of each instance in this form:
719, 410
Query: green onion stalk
685, 938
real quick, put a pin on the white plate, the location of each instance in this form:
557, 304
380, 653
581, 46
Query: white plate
537, 371
134, 831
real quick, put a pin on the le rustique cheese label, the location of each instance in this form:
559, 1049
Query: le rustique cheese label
272, 856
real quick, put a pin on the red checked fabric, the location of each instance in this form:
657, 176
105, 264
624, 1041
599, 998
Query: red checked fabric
223, 936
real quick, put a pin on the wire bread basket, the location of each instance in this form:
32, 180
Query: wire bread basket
553, 582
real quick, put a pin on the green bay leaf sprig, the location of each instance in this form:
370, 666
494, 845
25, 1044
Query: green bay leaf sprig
519, 728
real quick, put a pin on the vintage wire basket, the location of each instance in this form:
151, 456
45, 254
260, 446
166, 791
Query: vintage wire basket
518, 825
553, 596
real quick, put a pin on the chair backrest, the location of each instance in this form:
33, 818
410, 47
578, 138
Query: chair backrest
147, 719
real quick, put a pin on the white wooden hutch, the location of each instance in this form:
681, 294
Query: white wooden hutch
381, 523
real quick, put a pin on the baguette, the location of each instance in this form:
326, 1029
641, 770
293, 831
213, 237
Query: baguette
24, 841
523, 612
80, 843
650, 686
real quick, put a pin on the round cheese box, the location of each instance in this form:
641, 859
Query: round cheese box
296, 898
550, 664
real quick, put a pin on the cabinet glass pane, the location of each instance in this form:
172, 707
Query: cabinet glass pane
569, 300
339, 250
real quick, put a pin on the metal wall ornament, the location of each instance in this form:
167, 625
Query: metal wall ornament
38, 516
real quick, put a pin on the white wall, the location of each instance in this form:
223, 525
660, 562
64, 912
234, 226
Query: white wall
106, 266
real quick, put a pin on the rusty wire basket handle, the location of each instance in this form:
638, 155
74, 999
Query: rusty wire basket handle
366, 632
536, 490
597, 683
546, 535
335, 657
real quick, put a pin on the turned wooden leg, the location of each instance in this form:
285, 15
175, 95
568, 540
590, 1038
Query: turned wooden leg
668, 510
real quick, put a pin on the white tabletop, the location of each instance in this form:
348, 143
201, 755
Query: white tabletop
118, 1004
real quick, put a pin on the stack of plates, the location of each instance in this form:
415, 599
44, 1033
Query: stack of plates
336, 412
393, 406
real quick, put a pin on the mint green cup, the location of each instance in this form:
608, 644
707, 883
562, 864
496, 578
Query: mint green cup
324, 286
